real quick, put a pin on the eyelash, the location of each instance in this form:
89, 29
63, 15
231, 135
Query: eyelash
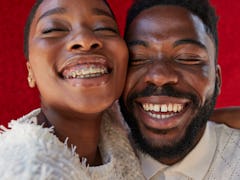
190, 61
136, 62
106, 29
187, 61
49, 30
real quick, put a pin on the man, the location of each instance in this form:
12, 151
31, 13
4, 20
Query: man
172, 85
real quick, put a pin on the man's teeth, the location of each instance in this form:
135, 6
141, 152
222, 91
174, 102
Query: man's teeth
167, 110
163, 107
161, 116
87, 72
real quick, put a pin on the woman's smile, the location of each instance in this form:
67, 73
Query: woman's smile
86, 70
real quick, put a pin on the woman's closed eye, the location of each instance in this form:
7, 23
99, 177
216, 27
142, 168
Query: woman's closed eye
52, 30
107, 31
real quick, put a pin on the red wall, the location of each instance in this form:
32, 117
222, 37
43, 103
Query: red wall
17, 99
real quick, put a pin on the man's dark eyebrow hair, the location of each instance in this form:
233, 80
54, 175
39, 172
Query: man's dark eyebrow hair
57, 10
189, 41
137, 43
99, 11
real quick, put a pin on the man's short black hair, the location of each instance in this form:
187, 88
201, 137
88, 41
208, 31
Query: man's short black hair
200, 8
29, 22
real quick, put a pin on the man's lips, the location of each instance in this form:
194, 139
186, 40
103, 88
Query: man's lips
162, 112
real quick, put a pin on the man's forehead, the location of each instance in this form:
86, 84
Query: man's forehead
165, 22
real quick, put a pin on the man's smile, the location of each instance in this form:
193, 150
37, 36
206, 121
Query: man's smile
162, 112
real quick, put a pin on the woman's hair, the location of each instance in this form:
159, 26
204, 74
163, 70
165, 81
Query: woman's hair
29, 22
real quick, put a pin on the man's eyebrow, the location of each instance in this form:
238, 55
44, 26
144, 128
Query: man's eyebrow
189, 41
137, 43
57, 10
100, 12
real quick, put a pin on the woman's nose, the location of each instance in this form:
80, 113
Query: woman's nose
84, 41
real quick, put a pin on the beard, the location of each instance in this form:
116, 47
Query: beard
175, 149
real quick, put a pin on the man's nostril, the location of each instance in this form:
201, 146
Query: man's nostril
94, 46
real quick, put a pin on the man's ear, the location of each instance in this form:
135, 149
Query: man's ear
219, 78
30, 78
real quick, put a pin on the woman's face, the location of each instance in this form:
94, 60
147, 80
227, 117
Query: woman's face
76, 55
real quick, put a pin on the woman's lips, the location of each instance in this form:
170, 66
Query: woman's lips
85, 59
86, 70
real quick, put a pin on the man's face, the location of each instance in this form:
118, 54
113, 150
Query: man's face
172, 81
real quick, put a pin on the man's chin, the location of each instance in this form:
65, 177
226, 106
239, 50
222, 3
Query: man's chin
157, 138
169, 145
176, 144
165, 144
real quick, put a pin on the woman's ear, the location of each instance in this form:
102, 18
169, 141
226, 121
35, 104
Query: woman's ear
30, 78
219, 78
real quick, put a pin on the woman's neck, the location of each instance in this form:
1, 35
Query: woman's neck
82, 131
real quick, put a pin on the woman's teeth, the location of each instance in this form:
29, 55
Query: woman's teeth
90, 72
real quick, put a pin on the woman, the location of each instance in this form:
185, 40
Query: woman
78, 62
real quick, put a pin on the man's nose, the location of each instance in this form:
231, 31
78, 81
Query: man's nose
161, 73
84, 40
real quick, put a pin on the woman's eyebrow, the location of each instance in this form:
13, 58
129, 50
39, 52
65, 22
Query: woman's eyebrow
57, 10
102, 12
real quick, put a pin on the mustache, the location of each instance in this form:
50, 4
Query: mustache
166, 90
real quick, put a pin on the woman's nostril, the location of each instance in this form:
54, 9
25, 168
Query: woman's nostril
76, 46
85, 44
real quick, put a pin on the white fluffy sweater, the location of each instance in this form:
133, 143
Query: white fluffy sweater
28, 152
